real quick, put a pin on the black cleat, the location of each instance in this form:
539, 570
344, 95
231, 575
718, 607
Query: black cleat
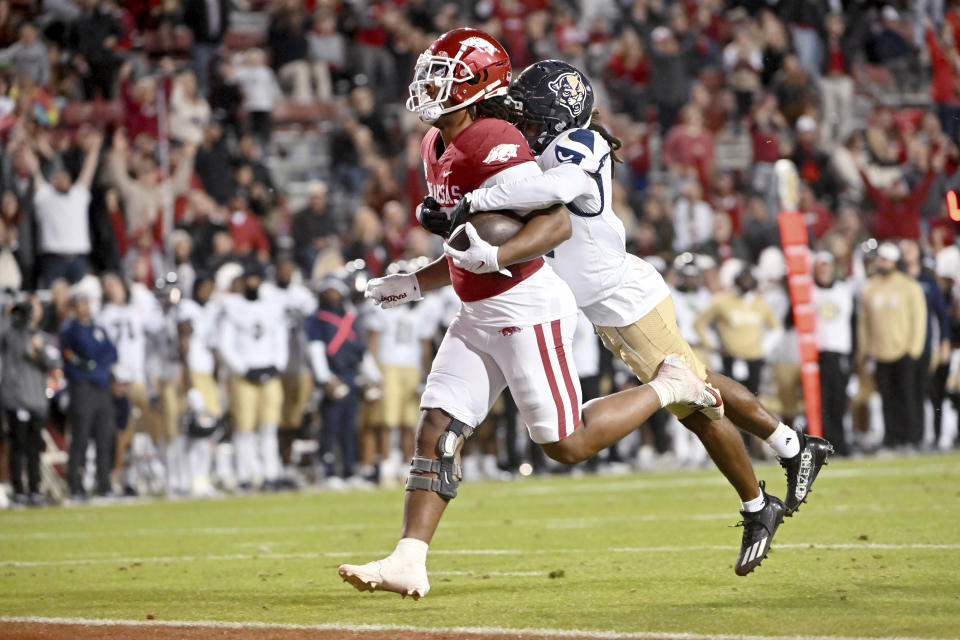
758, 530
802, 469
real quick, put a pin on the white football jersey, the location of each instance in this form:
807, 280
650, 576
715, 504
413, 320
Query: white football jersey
401, 331
126, 326
203, 333
252, 333
834, 317
612, 287
687, 304
298, 303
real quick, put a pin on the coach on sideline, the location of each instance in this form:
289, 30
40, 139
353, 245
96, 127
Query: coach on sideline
88, 354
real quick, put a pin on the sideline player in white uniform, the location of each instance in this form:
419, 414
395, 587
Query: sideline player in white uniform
197, 329
298, 304
625, 298
512, 330
253, 345
400, 340
127, 322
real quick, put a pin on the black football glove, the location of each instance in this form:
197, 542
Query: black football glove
432, 218
435, 220
460, 213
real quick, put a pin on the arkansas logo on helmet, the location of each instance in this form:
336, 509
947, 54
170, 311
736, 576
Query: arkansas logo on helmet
460, 68
570, 92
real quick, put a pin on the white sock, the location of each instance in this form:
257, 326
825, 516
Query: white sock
410, 551
270, 452
752, 506
784, 441
200, 450
224, 463
248, 464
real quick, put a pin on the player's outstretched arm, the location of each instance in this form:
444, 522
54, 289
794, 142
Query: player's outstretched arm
401, 288
559, 185
433, 276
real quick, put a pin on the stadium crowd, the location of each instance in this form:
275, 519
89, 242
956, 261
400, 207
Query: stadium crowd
177, 176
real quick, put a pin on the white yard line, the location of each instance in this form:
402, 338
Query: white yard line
555, 633
549, 523
460, 552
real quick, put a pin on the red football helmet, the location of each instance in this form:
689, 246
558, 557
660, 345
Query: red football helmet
462, 66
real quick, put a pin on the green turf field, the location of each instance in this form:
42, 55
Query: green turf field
876, 552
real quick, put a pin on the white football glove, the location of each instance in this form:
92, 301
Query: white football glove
392, 291
479, 257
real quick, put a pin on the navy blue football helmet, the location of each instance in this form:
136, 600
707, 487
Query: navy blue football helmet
551, 96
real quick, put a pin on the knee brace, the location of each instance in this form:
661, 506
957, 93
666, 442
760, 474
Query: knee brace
448, 471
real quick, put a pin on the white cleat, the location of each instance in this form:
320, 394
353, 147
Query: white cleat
676, 375
385, 575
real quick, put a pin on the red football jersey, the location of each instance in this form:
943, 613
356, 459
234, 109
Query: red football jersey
484, 149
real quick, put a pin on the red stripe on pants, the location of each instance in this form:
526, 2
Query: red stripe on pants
551, 380
565, 370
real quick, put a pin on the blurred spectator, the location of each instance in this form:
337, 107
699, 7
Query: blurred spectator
260, 90
88, 353
688, 148
140, 101
145, 196
743, 62
898, 207
812, 163
815, 214
93, 38
11, 276
692, 218
793, 89
805, 18
314, 229
669, 84
28, 56
722, 244
945, 84
836, 84
28, 356
834, 300
62, 217
189, 110
287, 39
212, 157
889, 46
209, 20
250, 154
327, 50
246, 231
891, 330
627, 74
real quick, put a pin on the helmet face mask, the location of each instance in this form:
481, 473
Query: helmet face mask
461, 67
434, 78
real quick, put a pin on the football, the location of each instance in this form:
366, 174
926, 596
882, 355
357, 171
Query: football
496, 227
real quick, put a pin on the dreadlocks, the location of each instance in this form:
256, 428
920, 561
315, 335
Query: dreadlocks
499, 107
612, 140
